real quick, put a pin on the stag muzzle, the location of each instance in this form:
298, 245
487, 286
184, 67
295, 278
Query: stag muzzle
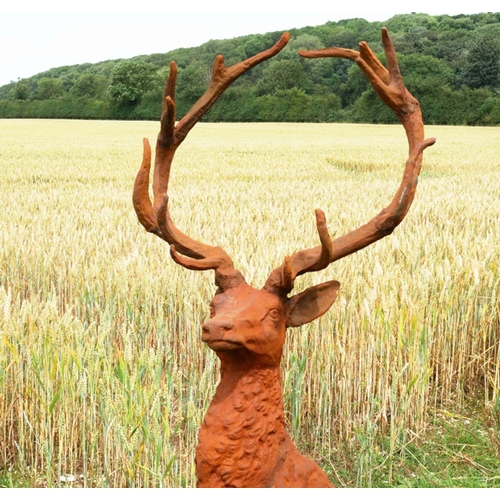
216, 334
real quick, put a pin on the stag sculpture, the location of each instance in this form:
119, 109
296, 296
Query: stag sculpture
243, 440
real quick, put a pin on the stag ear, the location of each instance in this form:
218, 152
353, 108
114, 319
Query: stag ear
311, 303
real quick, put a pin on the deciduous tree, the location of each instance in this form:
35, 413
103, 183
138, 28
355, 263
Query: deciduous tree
130, 80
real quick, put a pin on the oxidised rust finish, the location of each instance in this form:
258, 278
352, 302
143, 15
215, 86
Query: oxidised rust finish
243, 440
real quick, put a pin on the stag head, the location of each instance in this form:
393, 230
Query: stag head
254, 321
247, 326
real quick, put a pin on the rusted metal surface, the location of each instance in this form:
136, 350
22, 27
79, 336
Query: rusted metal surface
243, 440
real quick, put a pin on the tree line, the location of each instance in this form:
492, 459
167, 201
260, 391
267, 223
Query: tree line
450, 63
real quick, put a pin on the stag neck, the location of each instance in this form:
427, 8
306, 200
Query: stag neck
243, 388
237, 374
245, 425
242, 363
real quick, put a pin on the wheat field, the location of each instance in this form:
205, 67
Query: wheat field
104, 380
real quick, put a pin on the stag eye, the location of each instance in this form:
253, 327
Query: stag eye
273, 314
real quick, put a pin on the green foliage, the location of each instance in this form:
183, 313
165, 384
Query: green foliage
81, 108
481, 64
450, 63
130, 80
255, 44
282, 75
423, 74
48, 88
9, 479
191, 84
355, 84
21, 91
492, 115
87, 85
370, 109
294, 105
304, 42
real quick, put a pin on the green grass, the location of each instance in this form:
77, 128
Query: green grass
455, 450
9, 479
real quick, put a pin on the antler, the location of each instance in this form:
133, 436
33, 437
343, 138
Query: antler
389, 85
155, 217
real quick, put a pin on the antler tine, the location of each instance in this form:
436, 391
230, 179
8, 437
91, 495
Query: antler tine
154, 216
186, 245
140, 197
390, 87
165, 149
171, 135
222, 78
388, 83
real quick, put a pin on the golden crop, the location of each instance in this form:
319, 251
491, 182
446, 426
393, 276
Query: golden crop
102, 372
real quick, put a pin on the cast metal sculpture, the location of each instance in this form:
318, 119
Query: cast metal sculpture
243, 440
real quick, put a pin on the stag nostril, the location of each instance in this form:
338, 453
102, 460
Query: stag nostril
214, 326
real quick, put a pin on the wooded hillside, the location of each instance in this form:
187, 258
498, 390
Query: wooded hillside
450, 63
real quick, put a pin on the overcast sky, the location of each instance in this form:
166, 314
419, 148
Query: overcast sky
32, 41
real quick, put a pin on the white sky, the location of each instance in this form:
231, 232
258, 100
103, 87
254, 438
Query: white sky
32, 41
